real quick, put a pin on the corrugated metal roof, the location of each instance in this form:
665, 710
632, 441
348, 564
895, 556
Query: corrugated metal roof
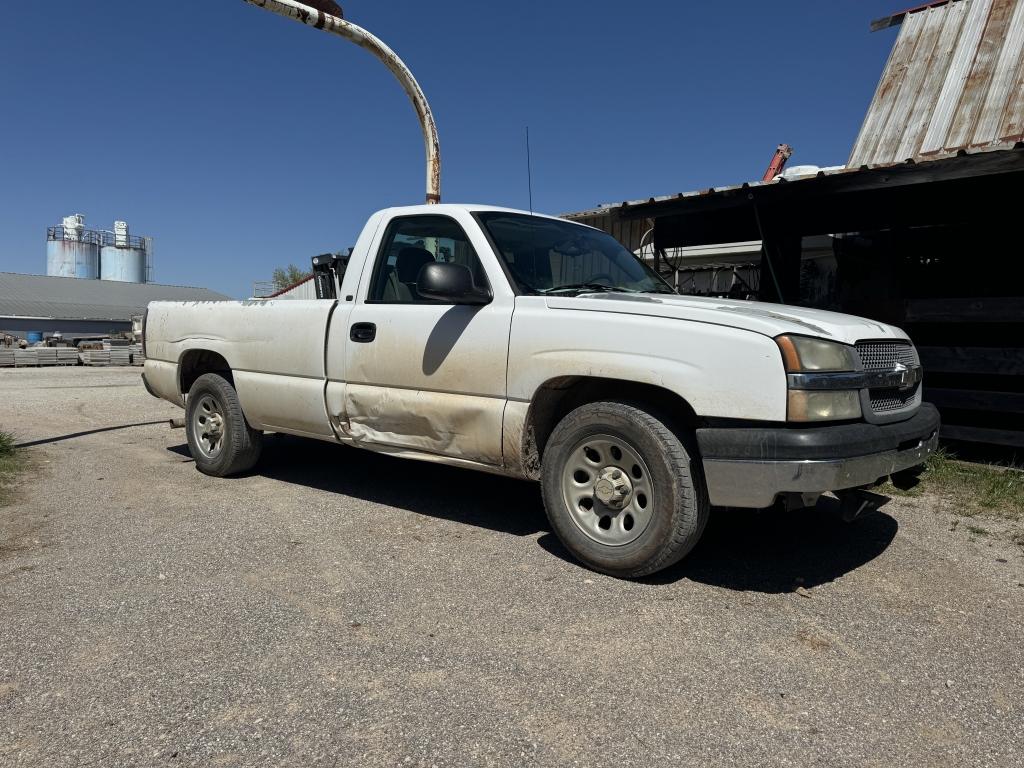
998, 154
730, 211
69, 298
1003, 159
954, 80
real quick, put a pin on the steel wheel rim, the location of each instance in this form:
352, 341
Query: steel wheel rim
594, 497
208, 426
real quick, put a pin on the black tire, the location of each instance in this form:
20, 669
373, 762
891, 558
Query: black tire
238, 446
679, 508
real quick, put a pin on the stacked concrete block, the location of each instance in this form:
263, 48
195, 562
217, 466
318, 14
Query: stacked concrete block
95, 356
25, 357
120, 356
67, 356
46, 355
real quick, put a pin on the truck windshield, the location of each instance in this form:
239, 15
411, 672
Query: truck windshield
547, 256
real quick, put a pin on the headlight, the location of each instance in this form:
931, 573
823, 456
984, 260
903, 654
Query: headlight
819, 375
802, 354
810, 405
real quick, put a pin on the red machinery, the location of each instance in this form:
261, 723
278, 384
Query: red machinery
782, 154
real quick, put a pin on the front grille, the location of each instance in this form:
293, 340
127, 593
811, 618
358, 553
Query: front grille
889, 400
884, 356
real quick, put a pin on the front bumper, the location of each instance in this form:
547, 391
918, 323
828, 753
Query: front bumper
746, 467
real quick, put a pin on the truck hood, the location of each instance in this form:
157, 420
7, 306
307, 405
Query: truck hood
768, 319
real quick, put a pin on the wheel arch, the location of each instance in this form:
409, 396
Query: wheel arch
557, 396
196, 362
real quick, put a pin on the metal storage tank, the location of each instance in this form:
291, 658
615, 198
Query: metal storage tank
71, 251
123, 258
125, 265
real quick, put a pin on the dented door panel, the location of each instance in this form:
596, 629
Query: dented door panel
433, 422
434, 377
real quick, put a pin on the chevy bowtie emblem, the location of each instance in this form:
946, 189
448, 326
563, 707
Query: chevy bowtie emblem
907, 377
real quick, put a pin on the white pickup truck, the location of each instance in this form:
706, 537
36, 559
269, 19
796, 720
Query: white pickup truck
534, 347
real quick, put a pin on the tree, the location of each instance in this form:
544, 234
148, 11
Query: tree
286, 277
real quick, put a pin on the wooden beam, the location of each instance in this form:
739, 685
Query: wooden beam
982, 435
982, 310
781, 259
1006, 361
976, 400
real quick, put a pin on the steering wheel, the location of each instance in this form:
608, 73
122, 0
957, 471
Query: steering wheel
603, 276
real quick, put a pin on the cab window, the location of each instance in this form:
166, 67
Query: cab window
411, 242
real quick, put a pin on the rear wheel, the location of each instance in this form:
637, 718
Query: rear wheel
621, 489
219, 438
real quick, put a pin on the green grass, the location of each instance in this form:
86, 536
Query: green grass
978, 489
10, 463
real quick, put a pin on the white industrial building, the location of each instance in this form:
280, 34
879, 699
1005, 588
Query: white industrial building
46, 304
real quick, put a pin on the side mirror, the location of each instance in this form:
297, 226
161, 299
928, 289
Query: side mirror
450, 283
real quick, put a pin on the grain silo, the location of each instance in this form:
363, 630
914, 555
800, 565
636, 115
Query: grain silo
124, 258
72, 251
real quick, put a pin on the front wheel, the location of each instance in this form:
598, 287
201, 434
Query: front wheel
219, 438
621, 490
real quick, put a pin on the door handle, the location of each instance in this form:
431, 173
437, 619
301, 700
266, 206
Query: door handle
363, 333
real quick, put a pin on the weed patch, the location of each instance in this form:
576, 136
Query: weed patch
11, 460
975, 489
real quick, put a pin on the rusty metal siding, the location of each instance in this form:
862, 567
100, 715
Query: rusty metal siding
629, 232
304, 289
954, 80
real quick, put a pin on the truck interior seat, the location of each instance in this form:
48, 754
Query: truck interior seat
408, 265
393, 289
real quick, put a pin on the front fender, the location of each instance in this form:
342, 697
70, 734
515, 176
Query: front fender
722, 372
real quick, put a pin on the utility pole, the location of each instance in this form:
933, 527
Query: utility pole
346, 29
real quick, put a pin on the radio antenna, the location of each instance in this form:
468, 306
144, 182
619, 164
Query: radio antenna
529, 170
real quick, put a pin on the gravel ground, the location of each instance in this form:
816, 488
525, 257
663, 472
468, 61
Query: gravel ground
341, 608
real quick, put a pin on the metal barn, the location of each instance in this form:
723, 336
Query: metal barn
922, 221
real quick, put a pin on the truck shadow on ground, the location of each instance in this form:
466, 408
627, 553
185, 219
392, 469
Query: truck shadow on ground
460, 495
745, 550
773, 551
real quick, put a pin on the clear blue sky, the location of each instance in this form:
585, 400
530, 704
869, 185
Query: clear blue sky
242, 141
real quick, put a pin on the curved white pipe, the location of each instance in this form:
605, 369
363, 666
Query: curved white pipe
356, 34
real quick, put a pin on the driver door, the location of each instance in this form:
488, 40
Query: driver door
422, 375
